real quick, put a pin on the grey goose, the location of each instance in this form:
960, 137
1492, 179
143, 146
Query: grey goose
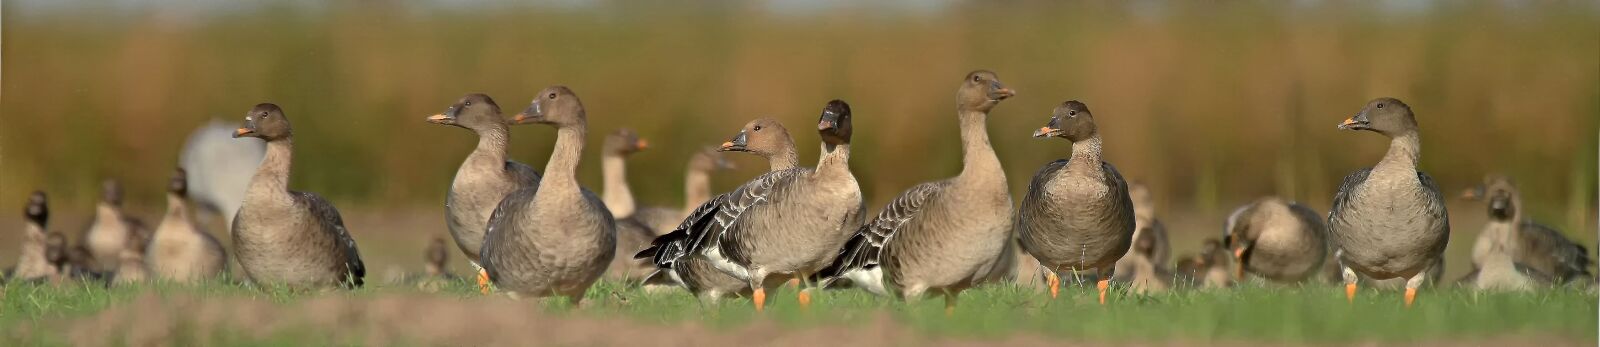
1389, 221
766, 138
1078, 215
557, 242
1276, 239
484, 178
286, 237
784, 224
1515, 252
945, 236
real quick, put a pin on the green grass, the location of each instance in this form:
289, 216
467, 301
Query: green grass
1276, 314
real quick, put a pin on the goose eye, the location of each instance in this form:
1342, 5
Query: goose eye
977, 78
1380, 105
469, 103
758, 128
552, 96
1072, 113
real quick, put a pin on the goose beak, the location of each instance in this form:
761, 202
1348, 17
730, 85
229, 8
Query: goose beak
521, 118
1357, 122
441, 119
1045, 131
642, 144
243, 132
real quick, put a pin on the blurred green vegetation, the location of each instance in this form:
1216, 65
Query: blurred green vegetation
1210, 103
1313, 314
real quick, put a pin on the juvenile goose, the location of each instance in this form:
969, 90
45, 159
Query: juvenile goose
1276, 239
108, 234
559, 241
435, 258
485, 177
289, 237
766, 138
1212, 268
33, 264
55, 253
696, 190
614, 166
1145, 222
1077, 215
784, 224
130, 262
1515, 252
940, 236
1145, 276
181, 250
1389, 221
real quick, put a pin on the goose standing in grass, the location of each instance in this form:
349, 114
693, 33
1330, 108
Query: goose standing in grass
696, 190
1145, 275
1145, 222
940, 237
1515, 252
108, 234
131, 268
181, 250
784, 224
33, 264
766, 138
1276, 239
1077, 215
632, 234
485, 177
1389, 221
285, 237
559, 241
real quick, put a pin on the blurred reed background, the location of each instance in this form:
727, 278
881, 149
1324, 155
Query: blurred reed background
1210, 103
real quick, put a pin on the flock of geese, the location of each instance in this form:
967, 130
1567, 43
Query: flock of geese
538, 233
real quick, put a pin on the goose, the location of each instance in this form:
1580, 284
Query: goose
784, 224
1276, 239
1515, 252
1145, 222
131, 267
632, 234
1389, 220
434, 274
56, 249
108, 234
484, 178
1078, 215
940, 237
696, 190
1145, 276
286, 237
181, 250
558, 242
33, 264
766, 138
1208, 269
614, 168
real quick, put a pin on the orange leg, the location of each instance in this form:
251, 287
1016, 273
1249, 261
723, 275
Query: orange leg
1102, 285
1055, 283
760, 299
805, 300
949, 305
1350, 293
1411, 296
483, 281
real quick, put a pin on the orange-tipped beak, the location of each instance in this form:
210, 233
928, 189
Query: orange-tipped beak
1348, 122
643, 144
242, 132
1044, 131
727, 145
521, 117
1007, 92
438, 118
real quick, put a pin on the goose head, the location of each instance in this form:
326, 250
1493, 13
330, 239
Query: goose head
37, 210
473, 111
555, 106
981, 91
1071, 120
1387, 116
623, 142
764, 137
834, 124
265, 121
